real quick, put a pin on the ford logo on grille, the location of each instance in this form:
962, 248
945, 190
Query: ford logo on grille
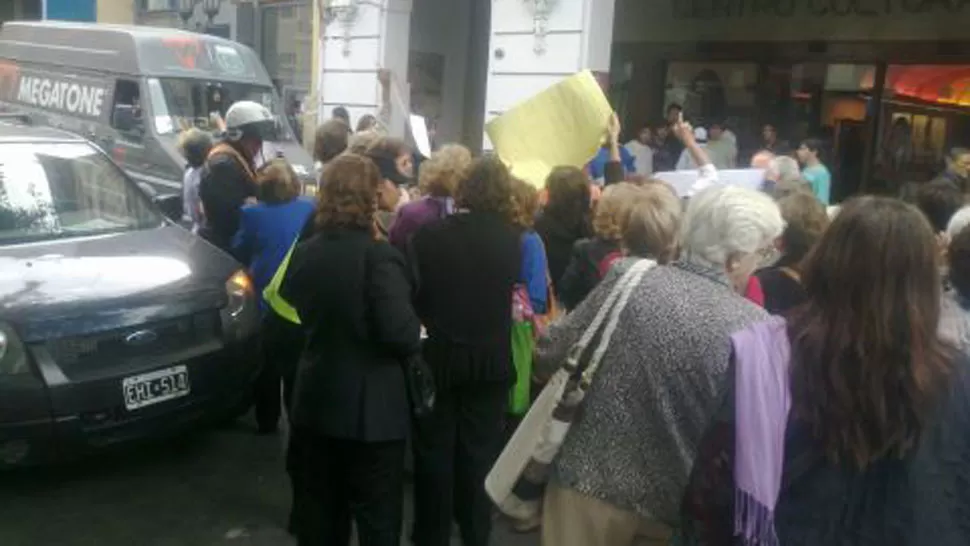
141, 337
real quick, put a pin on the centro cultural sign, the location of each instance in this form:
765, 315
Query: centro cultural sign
727, 9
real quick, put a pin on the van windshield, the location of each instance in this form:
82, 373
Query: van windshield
57, 190
180, 103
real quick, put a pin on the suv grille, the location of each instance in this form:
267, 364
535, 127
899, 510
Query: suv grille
145, 340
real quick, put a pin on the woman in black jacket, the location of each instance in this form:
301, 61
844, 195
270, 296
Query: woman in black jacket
467, 265
350, 406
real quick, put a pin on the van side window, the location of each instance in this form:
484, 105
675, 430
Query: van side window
126, 115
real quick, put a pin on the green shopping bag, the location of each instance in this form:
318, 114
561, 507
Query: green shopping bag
523, 344
272, 292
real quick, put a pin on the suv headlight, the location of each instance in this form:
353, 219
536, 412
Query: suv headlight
239, 289
240, 316
13, 354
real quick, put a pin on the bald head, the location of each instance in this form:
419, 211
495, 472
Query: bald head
762, 159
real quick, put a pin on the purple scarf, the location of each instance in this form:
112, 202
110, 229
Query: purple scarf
762, 403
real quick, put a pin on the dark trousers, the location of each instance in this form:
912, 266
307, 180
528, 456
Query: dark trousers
348, 480
454, 448
282, 345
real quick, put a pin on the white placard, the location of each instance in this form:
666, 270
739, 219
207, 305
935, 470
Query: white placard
682, 181
419, 132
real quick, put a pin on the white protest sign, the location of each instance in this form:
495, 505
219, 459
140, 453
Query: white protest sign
682, 181
419, 132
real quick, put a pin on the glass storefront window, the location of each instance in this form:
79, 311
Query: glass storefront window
826, 101
925, 112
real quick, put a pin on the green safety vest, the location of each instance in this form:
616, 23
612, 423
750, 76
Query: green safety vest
272, 292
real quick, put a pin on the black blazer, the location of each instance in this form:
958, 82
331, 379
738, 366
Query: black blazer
467, 265
354, 299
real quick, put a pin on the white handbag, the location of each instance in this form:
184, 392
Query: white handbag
517, 480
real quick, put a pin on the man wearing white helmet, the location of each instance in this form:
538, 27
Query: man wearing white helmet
229, 179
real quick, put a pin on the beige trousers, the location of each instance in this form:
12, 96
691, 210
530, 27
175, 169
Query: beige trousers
570, 518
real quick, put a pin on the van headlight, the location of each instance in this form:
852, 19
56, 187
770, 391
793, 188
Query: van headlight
13, 354
240, 315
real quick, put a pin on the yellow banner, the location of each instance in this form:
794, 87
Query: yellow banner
563, 125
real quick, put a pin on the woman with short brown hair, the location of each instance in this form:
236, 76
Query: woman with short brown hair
467, 266
805, 221
330, 141
350, 411
267, 231
848, 423
565, 218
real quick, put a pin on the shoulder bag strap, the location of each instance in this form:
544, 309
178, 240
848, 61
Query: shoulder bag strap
792, 274
577, 350
617, 310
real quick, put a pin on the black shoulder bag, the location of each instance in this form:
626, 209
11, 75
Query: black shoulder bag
418, 377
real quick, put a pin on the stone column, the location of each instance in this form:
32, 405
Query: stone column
359, 45
536, 43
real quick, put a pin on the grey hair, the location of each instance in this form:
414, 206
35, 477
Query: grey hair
725, 221
784, 170
958, 222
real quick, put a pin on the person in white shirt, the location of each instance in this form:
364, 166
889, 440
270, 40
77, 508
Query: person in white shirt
642, 151
707, 174
686, 162
194, 145
721, 148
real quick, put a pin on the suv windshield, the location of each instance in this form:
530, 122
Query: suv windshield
181, 103
56, 190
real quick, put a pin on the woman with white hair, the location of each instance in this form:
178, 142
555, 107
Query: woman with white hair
783, 176
626, 460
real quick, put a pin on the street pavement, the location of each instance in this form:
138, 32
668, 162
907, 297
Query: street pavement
215, 487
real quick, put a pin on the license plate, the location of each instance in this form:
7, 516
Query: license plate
154, 387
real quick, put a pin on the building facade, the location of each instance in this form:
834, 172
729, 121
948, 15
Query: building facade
26, 10
885, 84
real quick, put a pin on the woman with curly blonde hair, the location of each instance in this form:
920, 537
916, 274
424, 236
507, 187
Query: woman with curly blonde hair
592, 258
350, 414
437, 180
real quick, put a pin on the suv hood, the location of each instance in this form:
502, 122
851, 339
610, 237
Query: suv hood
80, 285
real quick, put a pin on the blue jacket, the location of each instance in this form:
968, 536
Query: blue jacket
534, 271
266, 233
597, 167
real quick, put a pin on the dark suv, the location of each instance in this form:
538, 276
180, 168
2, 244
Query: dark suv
115, 323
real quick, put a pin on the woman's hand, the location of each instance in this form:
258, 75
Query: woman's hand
613, 129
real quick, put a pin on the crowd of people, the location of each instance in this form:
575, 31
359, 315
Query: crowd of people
829, 408
656, 149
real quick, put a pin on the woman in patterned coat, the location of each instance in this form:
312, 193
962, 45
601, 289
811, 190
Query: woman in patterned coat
626, 460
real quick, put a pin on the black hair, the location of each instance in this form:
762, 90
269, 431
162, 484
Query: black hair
958, 256
939, 201
813, 144
341, 113
674, 106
